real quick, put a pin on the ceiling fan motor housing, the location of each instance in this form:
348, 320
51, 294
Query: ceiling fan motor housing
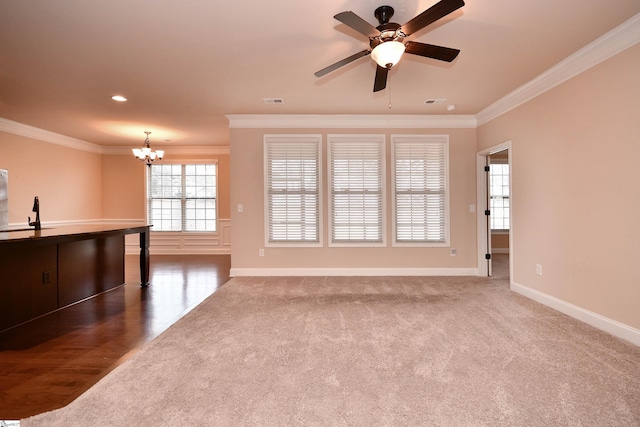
383, 14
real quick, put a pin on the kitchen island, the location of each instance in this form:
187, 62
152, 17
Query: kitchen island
45, 270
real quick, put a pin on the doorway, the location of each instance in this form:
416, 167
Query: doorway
494, 202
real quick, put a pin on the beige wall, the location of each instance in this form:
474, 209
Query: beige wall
500, 241
123, 190
67, 181
575, 195
247, 188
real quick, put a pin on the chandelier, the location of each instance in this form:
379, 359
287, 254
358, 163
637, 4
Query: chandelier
145, 154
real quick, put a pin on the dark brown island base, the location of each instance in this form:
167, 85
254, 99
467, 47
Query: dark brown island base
44, 270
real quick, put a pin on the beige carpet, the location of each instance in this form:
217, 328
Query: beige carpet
368, 352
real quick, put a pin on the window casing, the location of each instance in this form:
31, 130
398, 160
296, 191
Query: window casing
357, 190
420, 190
293, 197
499, 195
182, 197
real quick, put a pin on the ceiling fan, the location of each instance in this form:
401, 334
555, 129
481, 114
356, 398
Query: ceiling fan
386, 41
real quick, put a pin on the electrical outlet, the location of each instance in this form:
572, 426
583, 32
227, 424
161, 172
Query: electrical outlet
454, 252
240, 208
261, 252
539, 269
46, 277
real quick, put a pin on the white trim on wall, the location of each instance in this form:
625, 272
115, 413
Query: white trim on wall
615, 41
349, 121
294, 140
16, 128
185, 243
426, 139
38, 134
196, 150
481, 192
353, 272
596, 320
376, 144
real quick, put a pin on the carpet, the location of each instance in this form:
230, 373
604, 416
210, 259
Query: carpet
368, 351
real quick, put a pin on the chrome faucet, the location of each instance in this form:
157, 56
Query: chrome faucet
36, 209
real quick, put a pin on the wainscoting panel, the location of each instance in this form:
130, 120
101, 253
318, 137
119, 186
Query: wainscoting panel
175, 243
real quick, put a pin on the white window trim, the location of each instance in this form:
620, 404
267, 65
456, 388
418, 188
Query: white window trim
292, 138
428, 139
380, 139
500, 161
200, 161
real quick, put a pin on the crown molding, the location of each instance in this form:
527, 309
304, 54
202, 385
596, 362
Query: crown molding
615, 41
348, 121
194, 150
32, 132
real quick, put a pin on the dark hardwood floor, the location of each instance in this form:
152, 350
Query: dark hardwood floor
48, 362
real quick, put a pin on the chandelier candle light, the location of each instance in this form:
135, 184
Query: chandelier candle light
145, 154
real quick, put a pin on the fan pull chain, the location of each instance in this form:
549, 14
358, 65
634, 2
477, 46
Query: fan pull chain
389, 90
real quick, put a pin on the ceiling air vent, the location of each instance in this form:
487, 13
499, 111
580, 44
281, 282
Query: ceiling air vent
434, 101
273, 100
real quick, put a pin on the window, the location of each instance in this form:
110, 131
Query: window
499, 195
182, 197
357, 209
292, 193
420, 175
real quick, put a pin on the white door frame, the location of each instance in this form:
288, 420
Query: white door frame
481, 206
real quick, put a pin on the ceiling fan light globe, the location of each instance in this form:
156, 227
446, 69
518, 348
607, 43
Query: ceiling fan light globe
387, 54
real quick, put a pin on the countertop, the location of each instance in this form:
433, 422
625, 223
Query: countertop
70, 232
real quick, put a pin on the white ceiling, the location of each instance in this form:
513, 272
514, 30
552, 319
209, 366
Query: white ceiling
184, 64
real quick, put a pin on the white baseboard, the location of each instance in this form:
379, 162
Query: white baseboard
596, 320
235, 272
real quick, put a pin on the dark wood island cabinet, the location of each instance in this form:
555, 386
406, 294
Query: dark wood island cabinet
44, 270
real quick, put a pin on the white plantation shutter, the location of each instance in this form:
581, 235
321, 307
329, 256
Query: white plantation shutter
420, 188
356, 185
182, 197
292, 177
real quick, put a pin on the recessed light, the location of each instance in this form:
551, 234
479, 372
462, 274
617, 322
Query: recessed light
435, 101
119, 98
451, 107
273, 100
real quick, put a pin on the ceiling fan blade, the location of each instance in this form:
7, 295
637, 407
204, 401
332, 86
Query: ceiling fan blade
381, 78
339, 64
431, 51
360, 25
435, 12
